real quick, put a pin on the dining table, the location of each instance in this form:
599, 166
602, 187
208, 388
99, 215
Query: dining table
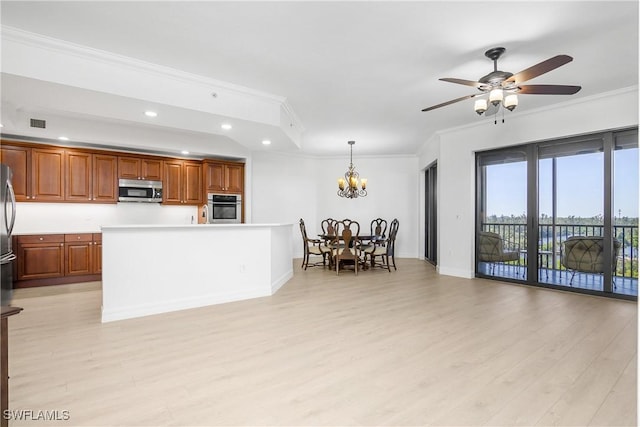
369, 238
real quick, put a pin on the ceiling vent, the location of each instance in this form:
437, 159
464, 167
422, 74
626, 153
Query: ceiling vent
37, 123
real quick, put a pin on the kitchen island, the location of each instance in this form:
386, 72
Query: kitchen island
151, 269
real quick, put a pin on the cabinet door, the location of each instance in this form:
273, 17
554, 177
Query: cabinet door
40, 257
47, 174
234, 179
129, 168
172, 183
78, 254
215, 177
152, 169
19, 160
97, 253
105, 182
192, 192
78, 176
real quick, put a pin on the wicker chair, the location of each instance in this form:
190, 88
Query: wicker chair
586, 255
491, 249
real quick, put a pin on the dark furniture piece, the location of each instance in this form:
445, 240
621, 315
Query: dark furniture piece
312, 247
385, 249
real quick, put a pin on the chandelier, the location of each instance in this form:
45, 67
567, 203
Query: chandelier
348, 186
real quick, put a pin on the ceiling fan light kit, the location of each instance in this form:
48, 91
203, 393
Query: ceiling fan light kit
502, 87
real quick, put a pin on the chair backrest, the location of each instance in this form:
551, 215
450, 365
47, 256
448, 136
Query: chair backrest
587, 254
490, 246
328, 226
379, 227
391, 240
347, 231
303, 231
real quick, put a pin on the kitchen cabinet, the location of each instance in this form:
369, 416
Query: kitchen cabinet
83, 254
182, 183
97, 253
38, 173
47, 174
19, 160
224, 177
91, 177
50, 259
140, 168
40, 256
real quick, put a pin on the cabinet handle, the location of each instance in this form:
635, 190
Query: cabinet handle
61, 244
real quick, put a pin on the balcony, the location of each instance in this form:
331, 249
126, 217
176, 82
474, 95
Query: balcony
550, 270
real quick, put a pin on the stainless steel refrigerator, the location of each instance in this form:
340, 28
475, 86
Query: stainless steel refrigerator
7, 219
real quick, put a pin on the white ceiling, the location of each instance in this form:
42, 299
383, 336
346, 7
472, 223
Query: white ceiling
349, 70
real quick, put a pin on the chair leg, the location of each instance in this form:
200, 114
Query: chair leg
573, 273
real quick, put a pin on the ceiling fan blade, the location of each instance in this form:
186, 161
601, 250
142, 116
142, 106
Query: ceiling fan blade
549, 89
539, 69
463, 82
453, 101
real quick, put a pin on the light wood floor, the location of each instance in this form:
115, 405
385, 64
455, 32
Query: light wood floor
402, 348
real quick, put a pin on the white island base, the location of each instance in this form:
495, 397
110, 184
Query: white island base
151, 269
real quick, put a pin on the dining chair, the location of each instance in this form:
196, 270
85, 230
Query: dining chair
345, 248
385, 251
312, 247
378, 233
328, 227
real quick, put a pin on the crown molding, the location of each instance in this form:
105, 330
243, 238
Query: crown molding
67, 48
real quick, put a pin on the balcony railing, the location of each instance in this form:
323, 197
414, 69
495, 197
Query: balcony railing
551, 237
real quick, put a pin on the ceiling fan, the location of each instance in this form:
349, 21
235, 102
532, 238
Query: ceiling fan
502, 87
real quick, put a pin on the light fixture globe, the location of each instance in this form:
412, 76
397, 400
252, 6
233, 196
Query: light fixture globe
351, 186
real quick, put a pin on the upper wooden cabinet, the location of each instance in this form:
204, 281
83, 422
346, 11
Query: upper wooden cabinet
91, 177
140, 168
182, 183
224, 177
19, 160
38, 173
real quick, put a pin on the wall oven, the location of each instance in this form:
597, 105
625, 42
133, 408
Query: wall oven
138, 190
225, 208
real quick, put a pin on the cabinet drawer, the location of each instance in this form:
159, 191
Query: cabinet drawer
82, 237
41, 238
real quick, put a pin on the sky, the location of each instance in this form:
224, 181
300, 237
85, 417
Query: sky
579, 186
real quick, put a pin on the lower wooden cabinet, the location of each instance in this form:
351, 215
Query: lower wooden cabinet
49, 259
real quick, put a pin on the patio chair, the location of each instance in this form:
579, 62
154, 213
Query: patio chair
586, 255
493, 250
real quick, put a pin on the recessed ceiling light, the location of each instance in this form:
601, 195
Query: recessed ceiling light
150, 114
226, 126
63, 138
1, 125
266, 142
184, 152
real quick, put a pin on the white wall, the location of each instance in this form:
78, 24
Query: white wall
456, 161
286, 188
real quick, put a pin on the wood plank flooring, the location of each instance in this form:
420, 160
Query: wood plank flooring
409, 347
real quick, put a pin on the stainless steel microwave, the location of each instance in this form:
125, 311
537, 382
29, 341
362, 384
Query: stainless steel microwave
224, 208
139, 190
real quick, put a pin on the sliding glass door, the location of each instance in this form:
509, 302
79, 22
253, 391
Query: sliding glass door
502, 214
570, 204
562, 214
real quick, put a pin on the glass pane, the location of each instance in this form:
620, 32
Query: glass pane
503, 206
625, 208
571, 206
